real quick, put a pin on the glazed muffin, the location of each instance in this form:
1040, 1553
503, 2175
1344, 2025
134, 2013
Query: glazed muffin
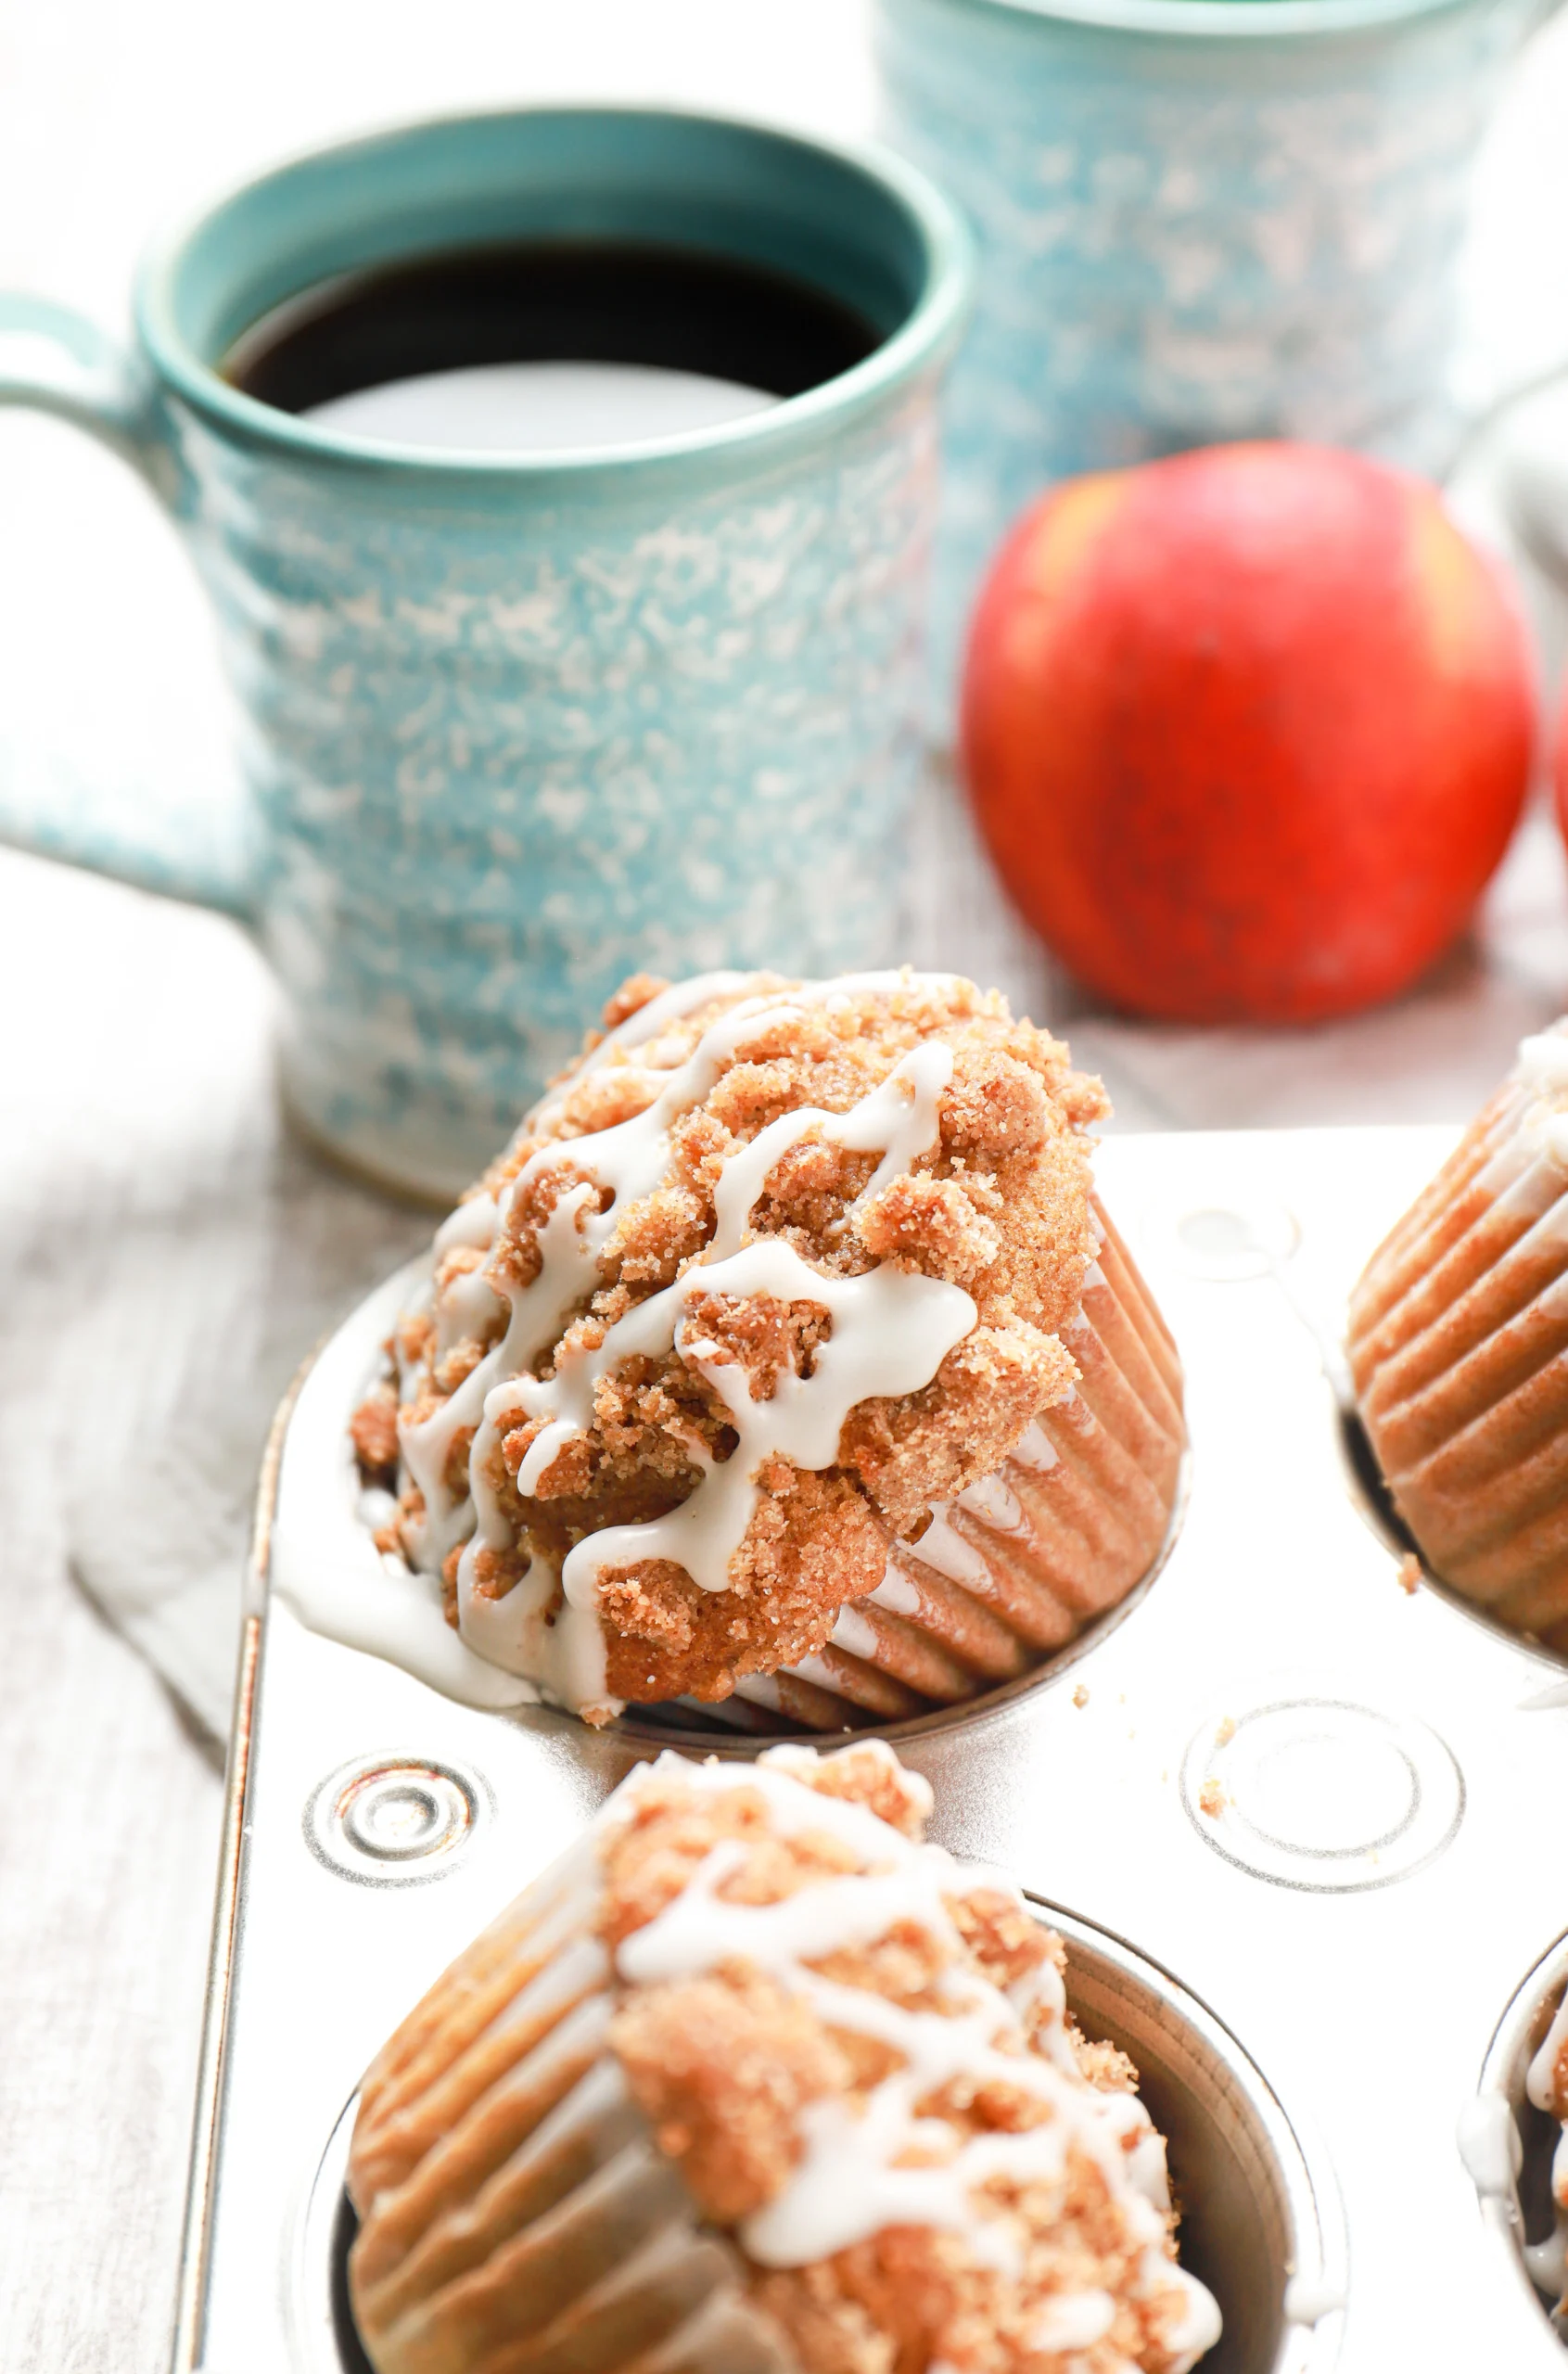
785, 1348
1458, 1351
755, 2082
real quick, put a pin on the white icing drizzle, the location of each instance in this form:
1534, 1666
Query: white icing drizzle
467, 1307
1489, 2145
1309, 2297
1075, 2320
1198, 2326
324, 1559
472, 1224
853, 2177
672, 1004
891, 1329
1543, 1061
792, 1805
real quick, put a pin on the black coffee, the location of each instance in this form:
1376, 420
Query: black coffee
565, 300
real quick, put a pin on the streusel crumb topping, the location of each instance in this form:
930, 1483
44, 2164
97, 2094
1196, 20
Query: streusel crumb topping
860, 2058
865, 1311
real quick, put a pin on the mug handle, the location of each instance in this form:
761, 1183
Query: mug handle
55, 361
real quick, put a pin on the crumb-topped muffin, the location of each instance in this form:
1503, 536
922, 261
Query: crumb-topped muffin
1458, 1350
777, 1271
754, 2079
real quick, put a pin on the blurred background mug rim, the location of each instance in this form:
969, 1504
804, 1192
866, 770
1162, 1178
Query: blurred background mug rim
921, 339
1216, 20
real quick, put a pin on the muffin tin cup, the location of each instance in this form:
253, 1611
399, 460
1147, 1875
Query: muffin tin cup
1371, 1495
1262, 2225
1308, 1791
1507, 2145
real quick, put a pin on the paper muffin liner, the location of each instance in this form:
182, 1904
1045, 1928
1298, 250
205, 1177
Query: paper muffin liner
520, 2213
1458, 1352
517, 2216
1011, 1572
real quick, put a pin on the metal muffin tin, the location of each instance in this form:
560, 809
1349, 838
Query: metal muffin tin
1304, 1788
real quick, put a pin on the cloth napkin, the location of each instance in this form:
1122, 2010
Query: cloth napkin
184, 1251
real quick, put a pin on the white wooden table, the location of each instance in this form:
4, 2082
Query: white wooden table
166, 1257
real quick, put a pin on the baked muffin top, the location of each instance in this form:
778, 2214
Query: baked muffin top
859, 2056
856, 2052
772, 1269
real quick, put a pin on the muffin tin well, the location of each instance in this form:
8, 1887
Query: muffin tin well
1507, 2145
1372, 2005
1262, 2225
1375, 1501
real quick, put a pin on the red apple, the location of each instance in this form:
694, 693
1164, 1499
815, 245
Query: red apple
1247, 731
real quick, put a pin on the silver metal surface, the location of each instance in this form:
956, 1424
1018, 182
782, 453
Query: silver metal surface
388, 1820
1321, 1793
1372, 2005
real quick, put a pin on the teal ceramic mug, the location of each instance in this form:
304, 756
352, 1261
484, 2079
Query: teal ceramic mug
516, 727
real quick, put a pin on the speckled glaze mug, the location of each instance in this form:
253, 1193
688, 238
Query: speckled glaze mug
1198, 220
517, 729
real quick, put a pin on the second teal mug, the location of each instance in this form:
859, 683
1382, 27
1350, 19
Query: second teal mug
514, 726
1198, 220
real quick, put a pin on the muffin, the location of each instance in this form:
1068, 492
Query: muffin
756, 2082
785, 1348
1458, 1352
